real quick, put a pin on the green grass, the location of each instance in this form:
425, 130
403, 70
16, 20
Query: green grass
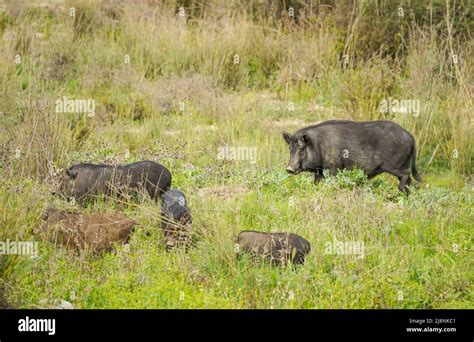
418, 250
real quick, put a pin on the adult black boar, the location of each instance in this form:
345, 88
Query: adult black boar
85, 181
176, 218
278, 248
374, 147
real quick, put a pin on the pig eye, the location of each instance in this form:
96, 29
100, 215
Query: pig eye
302, 152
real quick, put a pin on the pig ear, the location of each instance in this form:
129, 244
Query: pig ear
287, 137
304, 140
72, 173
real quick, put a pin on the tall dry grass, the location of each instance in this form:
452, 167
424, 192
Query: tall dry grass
299, 59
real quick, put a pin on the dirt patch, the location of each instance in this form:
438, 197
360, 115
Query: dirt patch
293, 122
270, 102
176, 93
171, 132
199, 129
287, 122
204, 128
224, 192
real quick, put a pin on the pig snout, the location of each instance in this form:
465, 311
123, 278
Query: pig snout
292, 169
170, 244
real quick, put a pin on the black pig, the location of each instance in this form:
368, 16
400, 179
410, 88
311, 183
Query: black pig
176, 218
374, 147
278, 248
86, 181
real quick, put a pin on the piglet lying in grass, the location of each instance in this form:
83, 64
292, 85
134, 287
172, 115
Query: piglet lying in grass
98, 232
278, 248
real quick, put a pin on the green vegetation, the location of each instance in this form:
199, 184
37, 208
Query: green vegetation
174, 89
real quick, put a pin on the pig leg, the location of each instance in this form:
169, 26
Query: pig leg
374, 173
318, 175
405, 182
403, 176
408, 181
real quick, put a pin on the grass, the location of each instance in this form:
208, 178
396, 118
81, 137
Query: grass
411, 246
178, 100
